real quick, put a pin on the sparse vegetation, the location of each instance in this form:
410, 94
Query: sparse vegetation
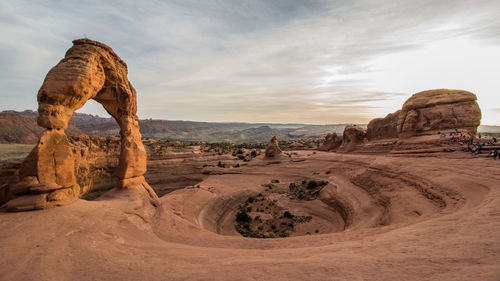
270, 218
307, 190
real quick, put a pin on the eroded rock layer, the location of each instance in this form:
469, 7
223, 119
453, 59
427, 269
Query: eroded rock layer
435, 110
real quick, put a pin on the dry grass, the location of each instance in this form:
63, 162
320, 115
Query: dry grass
13, 151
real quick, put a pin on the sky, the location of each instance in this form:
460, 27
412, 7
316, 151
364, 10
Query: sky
282, 61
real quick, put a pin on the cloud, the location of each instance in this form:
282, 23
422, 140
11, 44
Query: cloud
283, 61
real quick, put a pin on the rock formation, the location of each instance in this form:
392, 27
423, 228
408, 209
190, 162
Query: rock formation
332, 142
383, 128
431, 111
296, 146
353, 135
273, 149
89, 70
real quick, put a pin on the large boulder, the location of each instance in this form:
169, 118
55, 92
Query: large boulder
383, 128
273, 149
332, 142
353, 136
429, 112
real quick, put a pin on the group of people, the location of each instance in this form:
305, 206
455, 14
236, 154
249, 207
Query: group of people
469, 144
458, 137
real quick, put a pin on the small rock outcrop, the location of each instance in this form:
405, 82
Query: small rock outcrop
383, 128
89, 70
353, 135
297, 146
273, 149
431, 111
332, 142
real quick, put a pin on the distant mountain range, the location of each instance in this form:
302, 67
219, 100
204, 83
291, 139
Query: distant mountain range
21, 127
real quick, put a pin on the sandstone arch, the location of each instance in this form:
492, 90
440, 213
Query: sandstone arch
89, 70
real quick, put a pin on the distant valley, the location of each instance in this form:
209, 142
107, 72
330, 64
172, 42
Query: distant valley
21, 127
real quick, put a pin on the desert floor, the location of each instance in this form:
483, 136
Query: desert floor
381, 217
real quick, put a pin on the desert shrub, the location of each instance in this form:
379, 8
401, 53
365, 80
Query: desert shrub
268, 185
287, 214
312, 185
275, 181
253, 153
243, 217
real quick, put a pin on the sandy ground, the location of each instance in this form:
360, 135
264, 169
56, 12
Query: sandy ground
398, 217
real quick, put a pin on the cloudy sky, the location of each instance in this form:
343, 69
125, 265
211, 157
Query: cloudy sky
306, 61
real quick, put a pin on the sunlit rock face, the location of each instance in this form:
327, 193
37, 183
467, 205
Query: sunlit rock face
432, 111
